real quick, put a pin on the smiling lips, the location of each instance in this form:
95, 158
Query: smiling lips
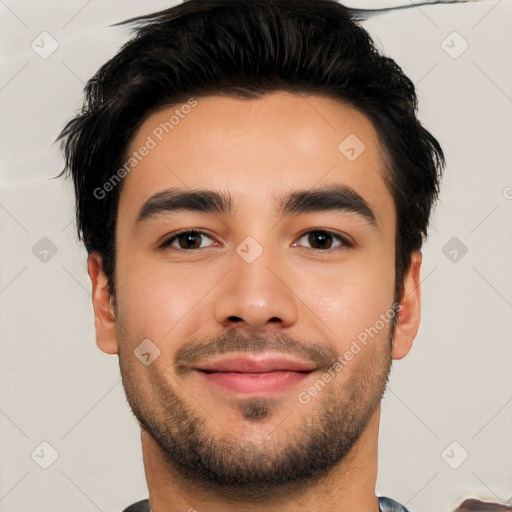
268, 373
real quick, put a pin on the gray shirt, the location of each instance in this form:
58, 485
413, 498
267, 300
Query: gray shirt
385, 505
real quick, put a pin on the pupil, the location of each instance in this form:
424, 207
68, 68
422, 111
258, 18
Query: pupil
188, 238
322, 238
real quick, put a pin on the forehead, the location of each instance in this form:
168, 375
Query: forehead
257, 149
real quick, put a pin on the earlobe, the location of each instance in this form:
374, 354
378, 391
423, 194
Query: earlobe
104, 318
409, 314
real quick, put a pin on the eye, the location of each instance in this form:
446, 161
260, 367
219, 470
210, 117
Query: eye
186, 240
323, 240
190, 240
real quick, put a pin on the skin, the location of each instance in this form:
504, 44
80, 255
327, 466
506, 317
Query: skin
315, 298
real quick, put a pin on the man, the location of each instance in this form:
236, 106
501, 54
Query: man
253, 189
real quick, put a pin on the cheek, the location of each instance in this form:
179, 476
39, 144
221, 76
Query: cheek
352, 298
157, 301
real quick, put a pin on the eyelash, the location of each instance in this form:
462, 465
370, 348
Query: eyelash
345, 244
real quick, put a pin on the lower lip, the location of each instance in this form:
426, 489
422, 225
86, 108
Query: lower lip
255, 382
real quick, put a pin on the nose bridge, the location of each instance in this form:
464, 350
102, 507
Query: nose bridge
253, 293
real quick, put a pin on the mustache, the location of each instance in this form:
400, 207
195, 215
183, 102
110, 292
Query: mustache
192, 352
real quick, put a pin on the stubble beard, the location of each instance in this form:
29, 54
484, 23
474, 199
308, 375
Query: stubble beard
274, 465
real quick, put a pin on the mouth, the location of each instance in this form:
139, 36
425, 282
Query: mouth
263, 374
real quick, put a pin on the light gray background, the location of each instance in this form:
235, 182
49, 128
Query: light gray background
456, 384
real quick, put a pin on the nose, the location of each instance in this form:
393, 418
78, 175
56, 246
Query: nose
256, 295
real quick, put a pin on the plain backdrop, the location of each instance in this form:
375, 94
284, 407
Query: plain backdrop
447, 415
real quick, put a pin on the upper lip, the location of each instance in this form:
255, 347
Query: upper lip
256, 364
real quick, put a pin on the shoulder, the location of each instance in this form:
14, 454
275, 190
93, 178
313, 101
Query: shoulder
389, 505
140, 506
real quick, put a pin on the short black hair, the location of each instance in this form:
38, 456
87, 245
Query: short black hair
247, 48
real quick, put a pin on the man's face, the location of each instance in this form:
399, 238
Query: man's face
280, 273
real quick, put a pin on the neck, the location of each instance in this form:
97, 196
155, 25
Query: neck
349, 486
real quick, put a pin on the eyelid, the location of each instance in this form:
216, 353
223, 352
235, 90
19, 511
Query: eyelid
346, 242
169, 240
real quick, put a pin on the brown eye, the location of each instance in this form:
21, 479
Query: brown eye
186, 240
323, 240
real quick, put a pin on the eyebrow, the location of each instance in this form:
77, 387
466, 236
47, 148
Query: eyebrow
332, 198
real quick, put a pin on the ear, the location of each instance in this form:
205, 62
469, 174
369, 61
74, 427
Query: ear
409, 314
104, 316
